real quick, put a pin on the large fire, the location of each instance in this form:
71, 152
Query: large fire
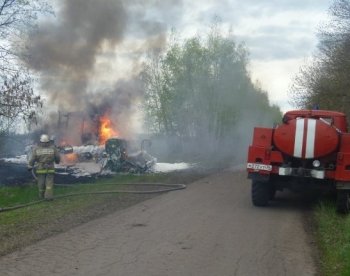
106, 130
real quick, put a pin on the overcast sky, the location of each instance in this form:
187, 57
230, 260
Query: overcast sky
280, 35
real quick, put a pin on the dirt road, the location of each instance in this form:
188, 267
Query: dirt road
210, 228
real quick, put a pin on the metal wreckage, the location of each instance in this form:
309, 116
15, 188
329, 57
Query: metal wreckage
115, 156
118, 160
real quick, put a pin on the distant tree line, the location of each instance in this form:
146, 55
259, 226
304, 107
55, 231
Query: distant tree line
326, 81
201, 89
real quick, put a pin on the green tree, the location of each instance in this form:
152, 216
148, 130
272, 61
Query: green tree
325, 81
201, 89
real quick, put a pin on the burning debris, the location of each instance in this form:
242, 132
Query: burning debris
85, 162
113, 157
105, 148
119, 161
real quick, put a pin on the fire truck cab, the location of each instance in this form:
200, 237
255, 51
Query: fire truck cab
309, 150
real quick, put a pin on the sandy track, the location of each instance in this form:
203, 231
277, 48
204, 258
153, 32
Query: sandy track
210, 228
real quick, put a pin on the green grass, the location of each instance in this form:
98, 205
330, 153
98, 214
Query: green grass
24, 226
11, 196
333, 236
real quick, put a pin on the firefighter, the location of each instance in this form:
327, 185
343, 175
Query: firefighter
43, 158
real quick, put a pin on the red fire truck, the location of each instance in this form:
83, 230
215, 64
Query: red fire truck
310, 149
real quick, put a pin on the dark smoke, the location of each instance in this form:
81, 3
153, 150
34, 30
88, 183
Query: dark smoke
64, 52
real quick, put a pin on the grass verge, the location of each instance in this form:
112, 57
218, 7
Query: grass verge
21, 227
333, 236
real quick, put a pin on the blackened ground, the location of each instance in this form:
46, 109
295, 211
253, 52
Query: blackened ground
13, 174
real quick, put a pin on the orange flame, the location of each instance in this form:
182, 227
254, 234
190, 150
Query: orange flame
106, 131
70, 158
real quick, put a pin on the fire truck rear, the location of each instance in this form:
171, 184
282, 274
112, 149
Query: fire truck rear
309, 150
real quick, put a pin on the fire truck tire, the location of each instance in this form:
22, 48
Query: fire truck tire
343, 201
260, 193
272, 193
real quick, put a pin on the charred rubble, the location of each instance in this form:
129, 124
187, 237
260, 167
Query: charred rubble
98, 132
81, 163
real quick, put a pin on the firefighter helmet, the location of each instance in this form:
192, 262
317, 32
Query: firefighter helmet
44, 138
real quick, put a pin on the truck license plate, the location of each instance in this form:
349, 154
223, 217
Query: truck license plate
260, 167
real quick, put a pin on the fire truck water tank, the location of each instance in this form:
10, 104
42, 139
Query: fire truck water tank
306, 138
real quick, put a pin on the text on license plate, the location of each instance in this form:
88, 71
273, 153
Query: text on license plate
260, 167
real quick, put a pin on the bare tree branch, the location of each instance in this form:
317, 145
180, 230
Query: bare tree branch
17, 98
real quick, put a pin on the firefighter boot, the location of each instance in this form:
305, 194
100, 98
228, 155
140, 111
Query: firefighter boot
49, 187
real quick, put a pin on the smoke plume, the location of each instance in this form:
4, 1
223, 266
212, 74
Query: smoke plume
74, 53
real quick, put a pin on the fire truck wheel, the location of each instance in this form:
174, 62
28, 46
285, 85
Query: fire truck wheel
260, 193
272, 192
343, 201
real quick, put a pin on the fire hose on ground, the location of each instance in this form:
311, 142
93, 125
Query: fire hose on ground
166, 188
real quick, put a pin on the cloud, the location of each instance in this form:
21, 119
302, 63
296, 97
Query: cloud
277, 45
270, 29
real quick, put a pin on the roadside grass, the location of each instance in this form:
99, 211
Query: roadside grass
21, 227
333, 236
11, 196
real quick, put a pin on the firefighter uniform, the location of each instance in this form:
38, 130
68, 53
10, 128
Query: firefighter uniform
43, 157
